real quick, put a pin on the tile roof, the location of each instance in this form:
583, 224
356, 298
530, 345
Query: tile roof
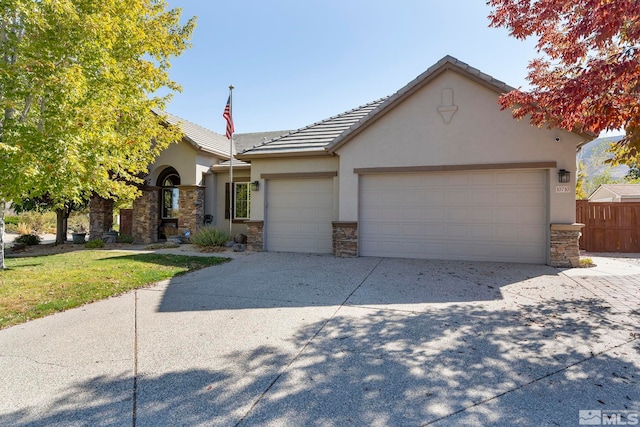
313, 138
224, 166
244, 141
198, 136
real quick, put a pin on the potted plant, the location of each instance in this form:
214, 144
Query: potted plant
79, 235
110, 236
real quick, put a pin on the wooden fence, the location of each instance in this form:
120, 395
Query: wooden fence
609, 227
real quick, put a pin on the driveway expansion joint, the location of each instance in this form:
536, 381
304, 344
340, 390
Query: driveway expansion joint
522, 386
134, 391
304, 347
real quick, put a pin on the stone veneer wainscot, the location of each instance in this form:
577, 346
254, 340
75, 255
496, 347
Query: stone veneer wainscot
190, 208
345, 239
565, 247
255, 235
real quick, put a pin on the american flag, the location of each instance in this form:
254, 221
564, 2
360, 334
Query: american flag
228, 118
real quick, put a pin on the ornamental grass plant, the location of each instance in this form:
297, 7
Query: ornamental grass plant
209, 237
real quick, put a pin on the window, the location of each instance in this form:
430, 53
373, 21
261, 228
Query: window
169, 194
241, 200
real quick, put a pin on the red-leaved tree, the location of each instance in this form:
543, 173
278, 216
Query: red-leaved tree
587, 77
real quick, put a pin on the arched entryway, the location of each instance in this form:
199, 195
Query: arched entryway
169, 197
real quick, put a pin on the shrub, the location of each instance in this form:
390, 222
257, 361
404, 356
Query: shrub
78, 222
586, 262
40, 222
209, 236
124, 238
23, 228
94, 244
28, 239
11, 220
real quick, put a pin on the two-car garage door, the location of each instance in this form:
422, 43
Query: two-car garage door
498, 215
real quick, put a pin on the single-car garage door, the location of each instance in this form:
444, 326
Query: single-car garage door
299, 214
471, 215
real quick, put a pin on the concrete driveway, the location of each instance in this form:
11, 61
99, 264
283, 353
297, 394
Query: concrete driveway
274, 339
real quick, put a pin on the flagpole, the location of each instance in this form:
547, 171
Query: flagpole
231, 188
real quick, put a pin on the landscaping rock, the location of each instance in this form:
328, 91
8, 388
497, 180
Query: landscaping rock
240, 238
229, 244
238, 247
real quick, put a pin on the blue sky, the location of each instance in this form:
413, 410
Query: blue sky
294, 63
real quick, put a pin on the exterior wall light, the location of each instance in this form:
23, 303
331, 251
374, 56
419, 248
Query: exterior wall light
255, 186
564, 175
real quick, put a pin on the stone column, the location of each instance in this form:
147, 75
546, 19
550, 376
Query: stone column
255, 235
100, 216
146, 216
345, 239
565, 249
190, 208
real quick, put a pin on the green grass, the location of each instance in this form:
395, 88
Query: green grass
34, 287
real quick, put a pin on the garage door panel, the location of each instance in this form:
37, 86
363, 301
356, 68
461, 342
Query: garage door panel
458, 214
461, 180
479, 231
507, 215
532, 178
299, 215
482, 199
483, 215
483, 179
531, 215
506, 197
531, 198
456, 197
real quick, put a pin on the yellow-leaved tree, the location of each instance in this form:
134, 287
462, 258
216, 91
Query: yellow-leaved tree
78, 79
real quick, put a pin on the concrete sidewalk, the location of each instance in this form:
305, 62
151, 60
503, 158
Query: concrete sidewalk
293, 340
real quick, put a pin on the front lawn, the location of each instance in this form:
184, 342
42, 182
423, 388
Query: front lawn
37, 286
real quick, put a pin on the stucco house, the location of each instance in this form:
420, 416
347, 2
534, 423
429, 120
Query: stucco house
616, 193
436, 170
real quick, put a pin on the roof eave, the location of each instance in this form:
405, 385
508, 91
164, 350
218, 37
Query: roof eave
287, 154
587, 135
200, 148
222, 168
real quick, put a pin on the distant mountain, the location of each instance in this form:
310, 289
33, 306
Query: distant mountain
594, 154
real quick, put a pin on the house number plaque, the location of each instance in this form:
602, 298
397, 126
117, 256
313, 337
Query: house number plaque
563, 189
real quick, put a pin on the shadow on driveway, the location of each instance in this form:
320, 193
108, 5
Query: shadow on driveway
363, 342
458, 364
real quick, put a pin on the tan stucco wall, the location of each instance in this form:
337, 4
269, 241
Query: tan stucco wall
189, 163
415, 134
289, 165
